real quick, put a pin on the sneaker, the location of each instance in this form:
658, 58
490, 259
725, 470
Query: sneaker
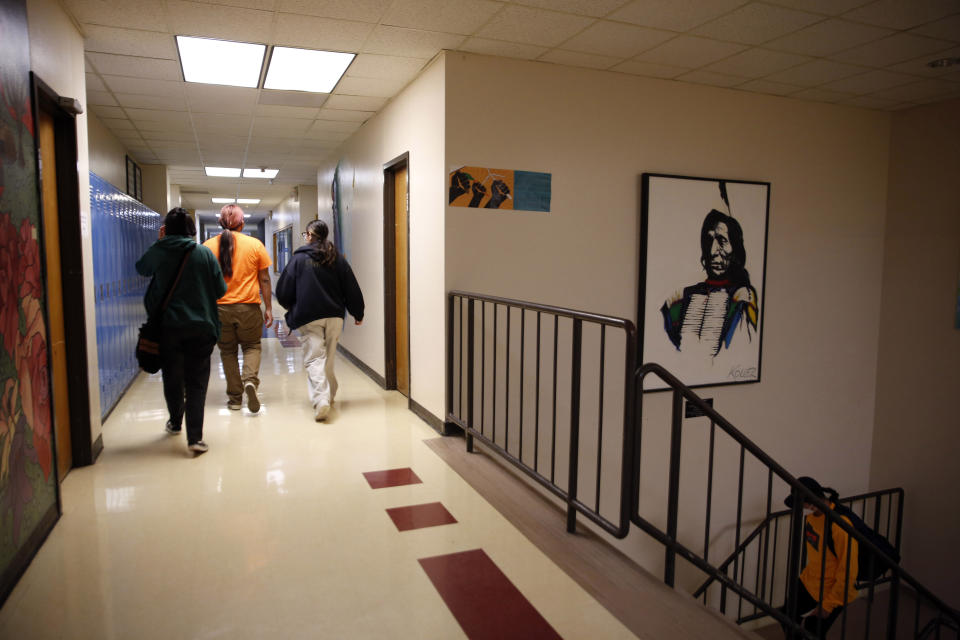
234, 406
171, 430
198, 447
322, 412
253, 402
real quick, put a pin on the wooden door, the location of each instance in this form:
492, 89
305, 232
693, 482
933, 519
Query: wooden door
402, 281
51, 244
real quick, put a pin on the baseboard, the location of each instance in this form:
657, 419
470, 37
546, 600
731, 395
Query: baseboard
424, 414
22, 559
97, 448
360, 364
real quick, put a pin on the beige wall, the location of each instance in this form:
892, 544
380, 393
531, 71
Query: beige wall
107, 154
56, 56
917, 426
596, 132
412, 123
156, 187
287, 214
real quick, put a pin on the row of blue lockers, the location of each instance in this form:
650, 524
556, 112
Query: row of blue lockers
122, 229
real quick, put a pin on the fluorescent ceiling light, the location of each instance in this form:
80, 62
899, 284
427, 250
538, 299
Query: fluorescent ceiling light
222, 172
260, 173
209, 61
223, 200
305, 69
248, 200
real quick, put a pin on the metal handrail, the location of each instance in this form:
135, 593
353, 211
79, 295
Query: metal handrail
621, 527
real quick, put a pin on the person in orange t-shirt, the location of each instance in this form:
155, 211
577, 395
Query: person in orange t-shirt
244, 262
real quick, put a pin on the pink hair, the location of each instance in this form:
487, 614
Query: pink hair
231, 217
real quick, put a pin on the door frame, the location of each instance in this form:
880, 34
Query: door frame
71, 265
389, 271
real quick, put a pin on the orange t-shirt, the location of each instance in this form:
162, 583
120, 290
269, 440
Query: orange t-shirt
249, 258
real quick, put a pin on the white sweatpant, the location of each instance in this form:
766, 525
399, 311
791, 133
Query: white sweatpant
319, 340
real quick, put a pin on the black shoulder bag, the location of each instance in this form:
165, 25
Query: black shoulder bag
148, 343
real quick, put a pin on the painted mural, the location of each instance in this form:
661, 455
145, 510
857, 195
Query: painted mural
27, 478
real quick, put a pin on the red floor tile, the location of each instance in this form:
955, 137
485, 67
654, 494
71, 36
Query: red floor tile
419, 516
391, 478
483, 600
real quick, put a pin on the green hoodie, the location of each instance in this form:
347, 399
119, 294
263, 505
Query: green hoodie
194, 301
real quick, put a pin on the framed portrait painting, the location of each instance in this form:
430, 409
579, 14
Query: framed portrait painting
702, 275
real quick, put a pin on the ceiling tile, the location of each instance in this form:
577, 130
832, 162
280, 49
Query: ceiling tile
756, 63
503, 49
815, 73
210, 98
153, 125
689, 51
827, 7
362, 10
328, 136
368, 65
649, 69
100, 98
125, 84
410, 43
449, 16
595, 8
945, 29
265, 125
713, 79
821, 95
359, 103
616, 39
370, 87
148, 44
105, 111
533, 26
214, 21
173, 101
344, 115
177, 136
266, 5
320, 33
902, 14
757, 23
232, 124
94, 83
128, 14
278, 111
576, 59
118, 124
156, 115
339, 126
918, 66
892, 50
868, 102
135, 66
827, 37
869, 82
765, 86
292, 98
920, 92
676, 15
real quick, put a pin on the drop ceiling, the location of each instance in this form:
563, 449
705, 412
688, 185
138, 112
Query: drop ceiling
870, 54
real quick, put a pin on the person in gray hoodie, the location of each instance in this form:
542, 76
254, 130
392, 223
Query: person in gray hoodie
317, 287
190, 323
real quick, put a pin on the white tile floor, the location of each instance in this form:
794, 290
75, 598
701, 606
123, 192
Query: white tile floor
274, 533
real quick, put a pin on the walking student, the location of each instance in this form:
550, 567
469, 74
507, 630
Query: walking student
317, 287
244, 262
190, 323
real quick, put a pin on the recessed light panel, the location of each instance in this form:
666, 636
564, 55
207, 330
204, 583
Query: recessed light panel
260, 173
209, 61
222, 200
248, 200
305, 69
222, 172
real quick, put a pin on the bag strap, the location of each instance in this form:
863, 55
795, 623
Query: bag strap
183, 263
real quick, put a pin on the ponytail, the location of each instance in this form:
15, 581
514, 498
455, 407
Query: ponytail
231, 219
325, 252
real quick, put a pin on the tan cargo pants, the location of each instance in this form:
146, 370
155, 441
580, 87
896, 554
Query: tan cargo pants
241, 326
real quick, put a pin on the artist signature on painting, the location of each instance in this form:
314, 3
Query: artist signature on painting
740, 373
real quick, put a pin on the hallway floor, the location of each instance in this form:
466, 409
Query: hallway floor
276, 531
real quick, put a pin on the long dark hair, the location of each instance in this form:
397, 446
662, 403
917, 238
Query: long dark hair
324, 251
737, 273
231, 219
179, 223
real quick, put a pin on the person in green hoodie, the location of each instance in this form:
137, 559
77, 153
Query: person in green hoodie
190, 322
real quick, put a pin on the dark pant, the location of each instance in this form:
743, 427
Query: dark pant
186, 372
816, 627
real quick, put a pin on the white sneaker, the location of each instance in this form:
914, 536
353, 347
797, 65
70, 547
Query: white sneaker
198, 447
253, 402
323, 410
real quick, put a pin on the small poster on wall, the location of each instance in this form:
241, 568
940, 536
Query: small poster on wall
480, 187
